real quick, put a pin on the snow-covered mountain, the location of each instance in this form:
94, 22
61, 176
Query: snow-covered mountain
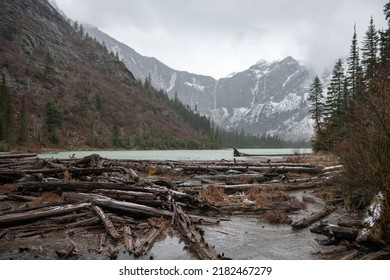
266, 98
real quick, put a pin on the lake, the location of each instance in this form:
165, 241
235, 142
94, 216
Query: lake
220, 154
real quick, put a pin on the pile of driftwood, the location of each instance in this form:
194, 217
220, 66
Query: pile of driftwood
356, 238
131, 203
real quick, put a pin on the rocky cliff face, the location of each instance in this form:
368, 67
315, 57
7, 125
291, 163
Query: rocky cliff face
267, 98
45, 59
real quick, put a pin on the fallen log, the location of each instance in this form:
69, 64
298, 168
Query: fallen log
272, 169
15, 156
151, 238
383, 254
70, 186
110, 203
106, 221
90, 161
305, 222
144, 198
193, 235
128, 239
83, 223
25, 217
336, 231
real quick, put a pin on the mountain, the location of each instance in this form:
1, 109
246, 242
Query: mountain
71, 92
267, 98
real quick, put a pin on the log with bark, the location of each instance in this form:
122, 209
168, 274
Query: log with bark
305, 222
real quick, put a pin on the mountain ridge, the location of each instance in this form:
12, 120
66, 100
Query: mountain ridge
249, 100
46, 61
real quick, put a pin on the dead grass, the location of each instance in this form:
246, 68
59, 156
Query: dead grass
46, 198
277, 217
8, 188
213, 195
274, 197
67, 176
319, 159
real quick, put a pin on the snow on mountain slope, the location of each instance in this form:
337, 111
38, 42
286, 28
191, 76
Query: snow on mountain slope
266, 98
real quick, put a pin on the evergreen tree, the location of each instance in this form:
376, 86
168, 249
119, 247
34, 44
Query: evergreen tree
334, 108
335, 94
385, 40
354, 72
370, 51
53, 117
317, 105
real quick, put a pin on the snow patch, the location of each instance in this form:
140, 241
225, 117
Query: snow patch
288, 79
172, 82
195, 86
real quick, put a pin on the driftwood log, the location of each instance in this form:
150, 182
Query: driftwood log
193, 235
106, 221
24, 217
305, 222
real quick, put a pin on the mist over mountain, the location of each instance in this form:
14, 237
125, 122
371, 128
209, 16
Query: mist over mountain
267, 98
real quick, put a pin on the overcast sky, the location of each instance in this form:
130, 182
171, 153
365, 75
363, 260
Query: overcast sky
218, 37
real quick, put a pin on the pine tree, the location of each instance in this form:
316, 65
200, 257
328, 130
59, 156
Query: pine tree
370, 51
317, 105
385, 40
354, 72
335, 94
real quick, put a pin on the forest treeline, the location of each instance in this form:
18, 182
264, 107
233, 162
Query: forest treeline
84, 103
353, 118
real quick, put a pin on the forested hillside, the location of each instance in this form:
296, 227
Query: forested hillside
61, 88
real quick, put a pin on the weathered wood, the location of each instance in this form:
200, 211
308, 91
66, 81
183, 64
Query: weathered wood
133, 175
305, 222
383, 254
83, 223
351, 255
237, 153
145, 198
91, 161
25, 217
193, 235
106, 221
151, 238
14, 156
110, 203
102, 242
341, 232
128, 239
70, 186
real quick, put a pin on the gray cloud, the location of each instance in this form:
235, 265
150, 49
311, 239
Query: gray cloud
216, 37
